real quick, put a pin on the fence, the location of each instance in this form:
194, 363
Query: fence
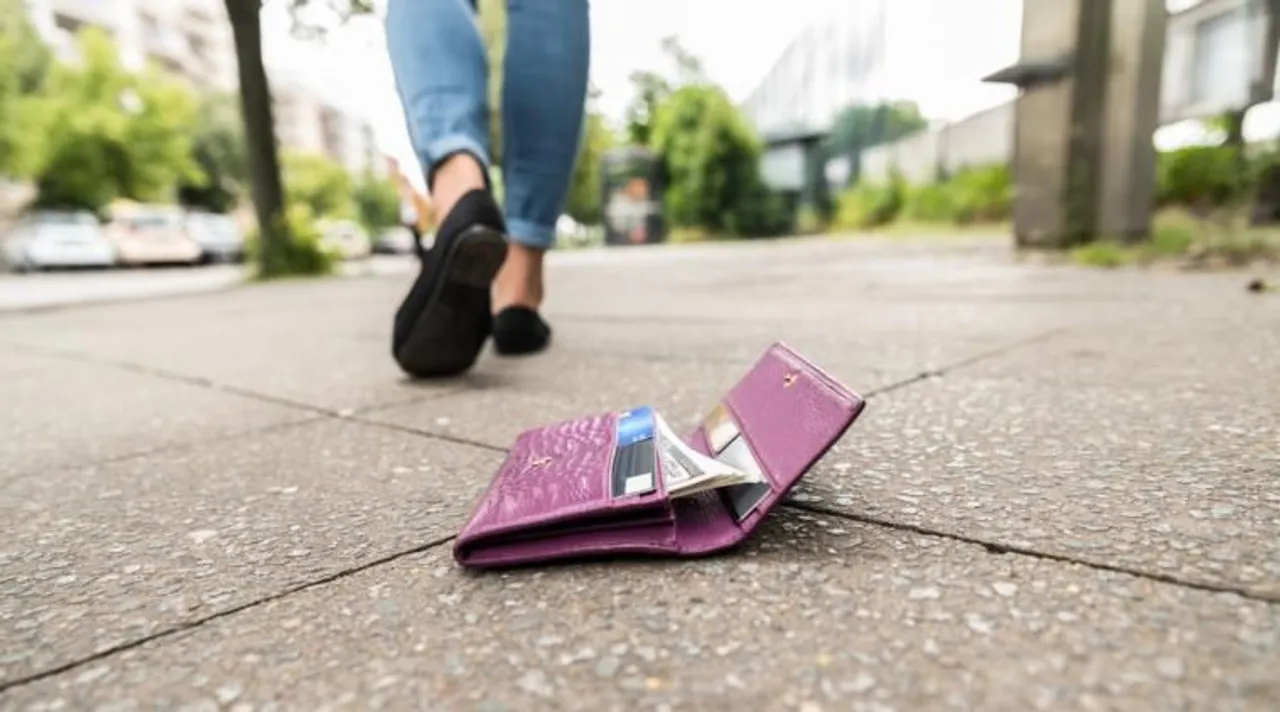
985, 137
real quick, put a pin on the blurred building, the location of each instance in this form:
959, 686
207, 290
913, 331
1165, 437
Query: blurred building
192, 39
1212, 56
189, 38
308, 123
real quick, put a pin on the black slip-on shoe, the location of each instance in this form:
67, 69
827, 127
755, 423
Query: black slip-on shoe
441, 326
518, 331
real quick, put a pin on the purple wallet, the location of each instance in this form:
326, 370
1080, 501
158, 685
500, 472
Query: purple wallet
552, 498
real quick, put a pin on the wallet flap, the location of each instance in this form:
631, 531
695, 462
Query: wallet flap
556, 479
789, 413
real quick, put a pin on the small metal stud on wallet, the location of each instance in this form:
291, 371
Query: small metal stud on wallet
622, 483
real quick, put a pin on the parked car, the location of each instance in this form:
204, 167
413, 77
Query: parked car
48, 239
151, 234
346, 238
394, 241
219, 236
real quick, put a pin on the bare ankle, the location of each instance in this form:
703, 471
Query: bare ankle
454, 178
519, 282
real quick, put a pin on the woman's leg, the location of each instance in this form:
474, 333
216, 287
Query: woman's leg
442, 77
543, 99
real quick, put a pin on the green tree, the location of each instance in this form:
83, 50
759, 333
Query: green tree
651, 89
864, 126
324, 187
219, 152
274, 253
106, 133
377, 203
711, 156
584, 200
24, 64
259, 124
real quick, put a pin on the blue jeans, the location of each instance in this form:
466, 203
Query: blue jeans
442, 77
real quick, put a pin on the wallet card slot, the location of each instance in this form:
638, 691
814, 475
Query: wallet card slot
554, 474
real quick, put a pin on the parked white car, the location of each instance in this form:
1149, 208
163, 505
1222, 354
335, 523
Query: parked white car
50, 239
219, 236
151, 234
394, 241
346, 238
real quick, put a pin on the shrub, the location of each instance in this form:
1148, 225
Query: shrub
300, 253
809, 221
869, 204
1199, 177
929, 203
1101, 254
981, 194
763, 213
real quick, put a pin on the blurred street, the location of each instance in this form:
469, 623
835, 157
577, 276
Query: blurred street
64, 288
1061, 496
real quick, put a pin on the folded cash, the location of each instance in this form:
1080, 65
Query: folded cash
688, 472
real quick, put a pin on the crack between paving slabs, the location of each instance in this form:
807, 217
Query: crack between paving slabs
210, 384
226, 612
992, 547
998, 549
317, 413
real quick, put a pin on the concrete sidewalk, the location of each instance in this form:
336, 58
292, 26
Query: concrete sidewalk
1064, 494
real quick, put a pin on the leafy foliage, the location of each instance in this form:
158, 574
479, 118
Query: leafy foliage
584, 202
1199, 177
651, 90
711, 156
377, 203
929, 203
300, 252
321, 185
24, 64
870, 204
219, 151
864, 126
105, 133
493, 29
978, 194
981, 193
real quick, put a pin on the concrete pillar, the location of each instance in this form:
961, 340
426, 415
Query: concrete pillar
1083, 160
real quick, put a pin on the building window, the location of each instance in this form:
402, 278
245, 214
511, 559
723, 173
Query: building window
1220, 70
67, 23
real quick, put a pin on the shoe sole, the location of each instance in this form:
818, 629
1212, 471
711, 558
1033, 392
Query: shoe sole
449, 334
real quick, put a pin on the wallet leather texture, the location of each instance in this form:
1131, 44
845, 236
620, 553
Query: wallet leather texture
552, 498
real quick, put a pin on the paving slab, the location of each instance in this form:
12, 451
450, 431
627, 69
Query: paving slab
323, 344
61, 412
1230, 350
96, 557
1178, 481
814, 614
828, 277
560, 386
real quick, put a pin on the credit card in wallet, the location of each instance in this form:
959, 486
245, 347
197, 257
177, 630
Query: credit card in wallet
635, 459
